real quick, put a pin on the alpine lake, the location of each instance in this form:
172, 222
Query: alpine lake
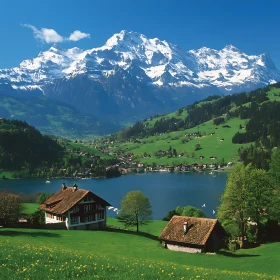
165, 190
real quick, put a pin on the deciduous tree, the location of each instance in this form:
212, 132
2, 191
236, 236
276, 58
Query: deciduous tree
233, 211
247, 198
260, 198
135, 209
190, 211
9, 206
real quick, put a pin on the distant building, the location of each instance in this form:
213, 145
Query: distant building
78, 209
193, 235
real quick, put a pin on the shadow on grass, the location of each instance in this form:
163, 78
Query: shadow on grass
233, 255
143, 234
14, 233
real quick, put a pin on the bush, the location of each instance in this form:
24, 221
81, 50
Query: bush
233, 245
37, 218
169, 215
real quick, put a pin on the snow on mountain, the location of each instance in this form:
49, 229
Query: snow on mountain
151, 61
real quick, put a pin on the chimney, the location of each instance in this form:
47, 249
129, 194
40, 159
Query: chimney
63, 186
185, 227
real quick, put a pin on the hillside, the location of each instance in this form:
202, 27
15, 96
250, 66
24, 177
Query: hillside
120, 255
223, 128
24, 147
25, 153
54, 117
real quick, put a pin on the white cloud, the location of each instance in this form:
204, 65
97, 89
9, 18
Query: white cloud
78, 35
49, 36
45, 35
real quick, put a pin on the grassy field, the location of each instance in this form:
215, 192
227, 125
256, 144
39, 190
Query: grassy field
271, 94
215, 141
58, 254
86, 147
29, 208
154, 227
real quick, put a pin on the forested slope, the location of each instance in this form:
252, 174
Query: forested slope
21, 145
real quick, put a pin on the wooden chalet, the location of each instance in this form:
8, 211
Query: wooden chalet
193, 235
78, 209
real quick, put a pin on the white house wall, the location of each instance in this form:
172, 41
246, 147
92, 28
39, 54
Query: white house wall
50, 220
182, 249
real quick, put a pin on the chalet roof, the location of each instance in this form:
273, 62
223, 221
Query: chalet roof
66, 198
199, 230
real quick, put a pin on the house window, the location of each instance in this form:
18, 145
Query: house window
88, 218
88, 208
76, 209
74, 220
100, 216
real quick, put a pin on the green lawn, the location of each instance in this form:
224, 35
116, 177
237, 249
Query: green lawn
58, 254
154, 227
29, 208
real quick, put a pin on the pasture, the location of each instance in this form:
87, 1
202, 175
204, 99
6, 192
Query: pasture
215, 141
62, 254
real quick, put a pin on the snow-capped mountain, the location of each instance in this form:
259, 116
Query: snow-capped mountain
132, 75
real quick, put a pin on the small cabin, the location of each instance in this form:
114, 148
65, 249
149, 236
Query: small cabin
193, 235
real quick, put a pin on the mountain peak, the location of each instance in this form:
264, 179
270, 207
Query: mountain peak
123, 36
231, 48
56, 48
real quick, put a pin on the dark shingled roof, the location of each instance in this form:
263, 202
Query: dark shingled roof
199, 230
66, 198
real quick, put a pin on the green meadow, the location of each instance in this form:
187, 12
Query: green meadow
85, 147
215, 141
62, 254
29, 208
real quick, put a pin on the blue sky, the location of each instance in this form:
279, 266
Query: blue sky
252, 26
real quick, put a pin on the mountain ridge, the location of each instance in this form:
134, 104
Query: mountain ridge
132, 76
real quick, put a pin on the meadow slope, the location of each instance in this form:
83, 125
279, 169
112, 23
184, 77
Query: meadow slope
61, 254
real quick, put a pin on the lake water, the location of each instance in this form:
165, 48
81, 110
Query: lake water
165, 190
